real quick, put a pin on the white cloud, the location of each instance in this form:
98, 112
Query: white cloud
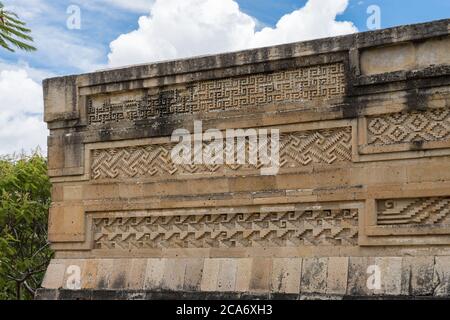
29, 9
317, 19
134, 5
21, 109
37, 75
176, 29
184, 28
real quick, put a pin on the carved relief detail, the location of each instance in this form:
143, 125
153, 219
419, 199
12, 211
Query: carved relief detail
308, 83
405, 127
297, 149
258, 229
419, 211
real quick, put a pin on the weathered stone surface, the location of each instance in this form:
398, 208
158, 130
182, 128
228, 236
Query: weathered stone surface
391, 275
261, 275
360, 205
417, 276
337, 275
55, 275
154, 274
286, 273
358, 276
314, 275
441, 279
193, 277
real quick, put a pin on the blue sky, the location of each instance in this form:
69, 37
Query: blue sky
121, 32
101, 23
394, 12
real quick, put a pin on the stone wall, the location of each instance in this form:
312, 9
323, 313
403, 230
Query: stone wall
363, 188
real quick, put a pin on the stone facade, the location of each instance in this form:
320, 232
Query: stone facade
362, 192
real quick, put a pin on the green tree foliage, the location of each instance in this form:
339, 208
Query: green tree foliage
13, 32
24, 204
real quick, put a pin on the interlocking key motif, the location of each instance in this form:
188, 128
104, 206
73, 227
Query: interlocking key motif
324, 82
255, 229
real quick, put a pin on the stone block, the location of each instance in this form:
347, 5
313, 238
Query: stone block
66, 223
261, 275
286, 274
54, 275
194, 272
417, 276
337, 275
243, 274
314, 275
173, 277
211, 271
441, 280
226, 278
361, 276
154, 274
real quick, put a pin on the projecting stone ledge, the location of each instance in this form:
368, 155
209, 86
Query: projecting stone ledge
249, 278
359, 205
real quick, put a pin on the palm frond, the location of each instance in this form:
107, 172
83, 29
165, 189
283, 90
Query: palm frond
17, 43
4, 45
13, 32
9, 17
10, 31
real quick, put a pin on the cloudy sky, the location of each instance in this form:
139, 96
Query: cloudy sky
114, 33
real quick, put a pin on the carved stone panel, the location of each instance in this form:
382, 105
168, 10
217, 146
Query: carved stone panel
414, 212
304, 84
297, 149
249, 229
406, 127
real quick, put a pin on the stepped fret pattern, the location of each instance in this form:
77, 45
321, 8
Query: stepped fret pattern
273, 229
423, 211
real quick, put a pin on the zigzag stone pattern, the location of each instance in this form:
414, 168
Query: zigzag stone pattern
404, 127
422, 211
321, 82
297, 149
271, 229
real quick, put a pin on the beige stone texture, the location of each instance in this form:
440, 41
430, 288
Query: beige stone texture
363, 185
66, 224
358, 276
243, 274
391, 275
55, 275
211, 271
261, 275
226, 279
337, 275
441, 278
314, 275
417, 276
154, 273
174, 272
137, 273
193, 275
406, 56
286, 273
104, 273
